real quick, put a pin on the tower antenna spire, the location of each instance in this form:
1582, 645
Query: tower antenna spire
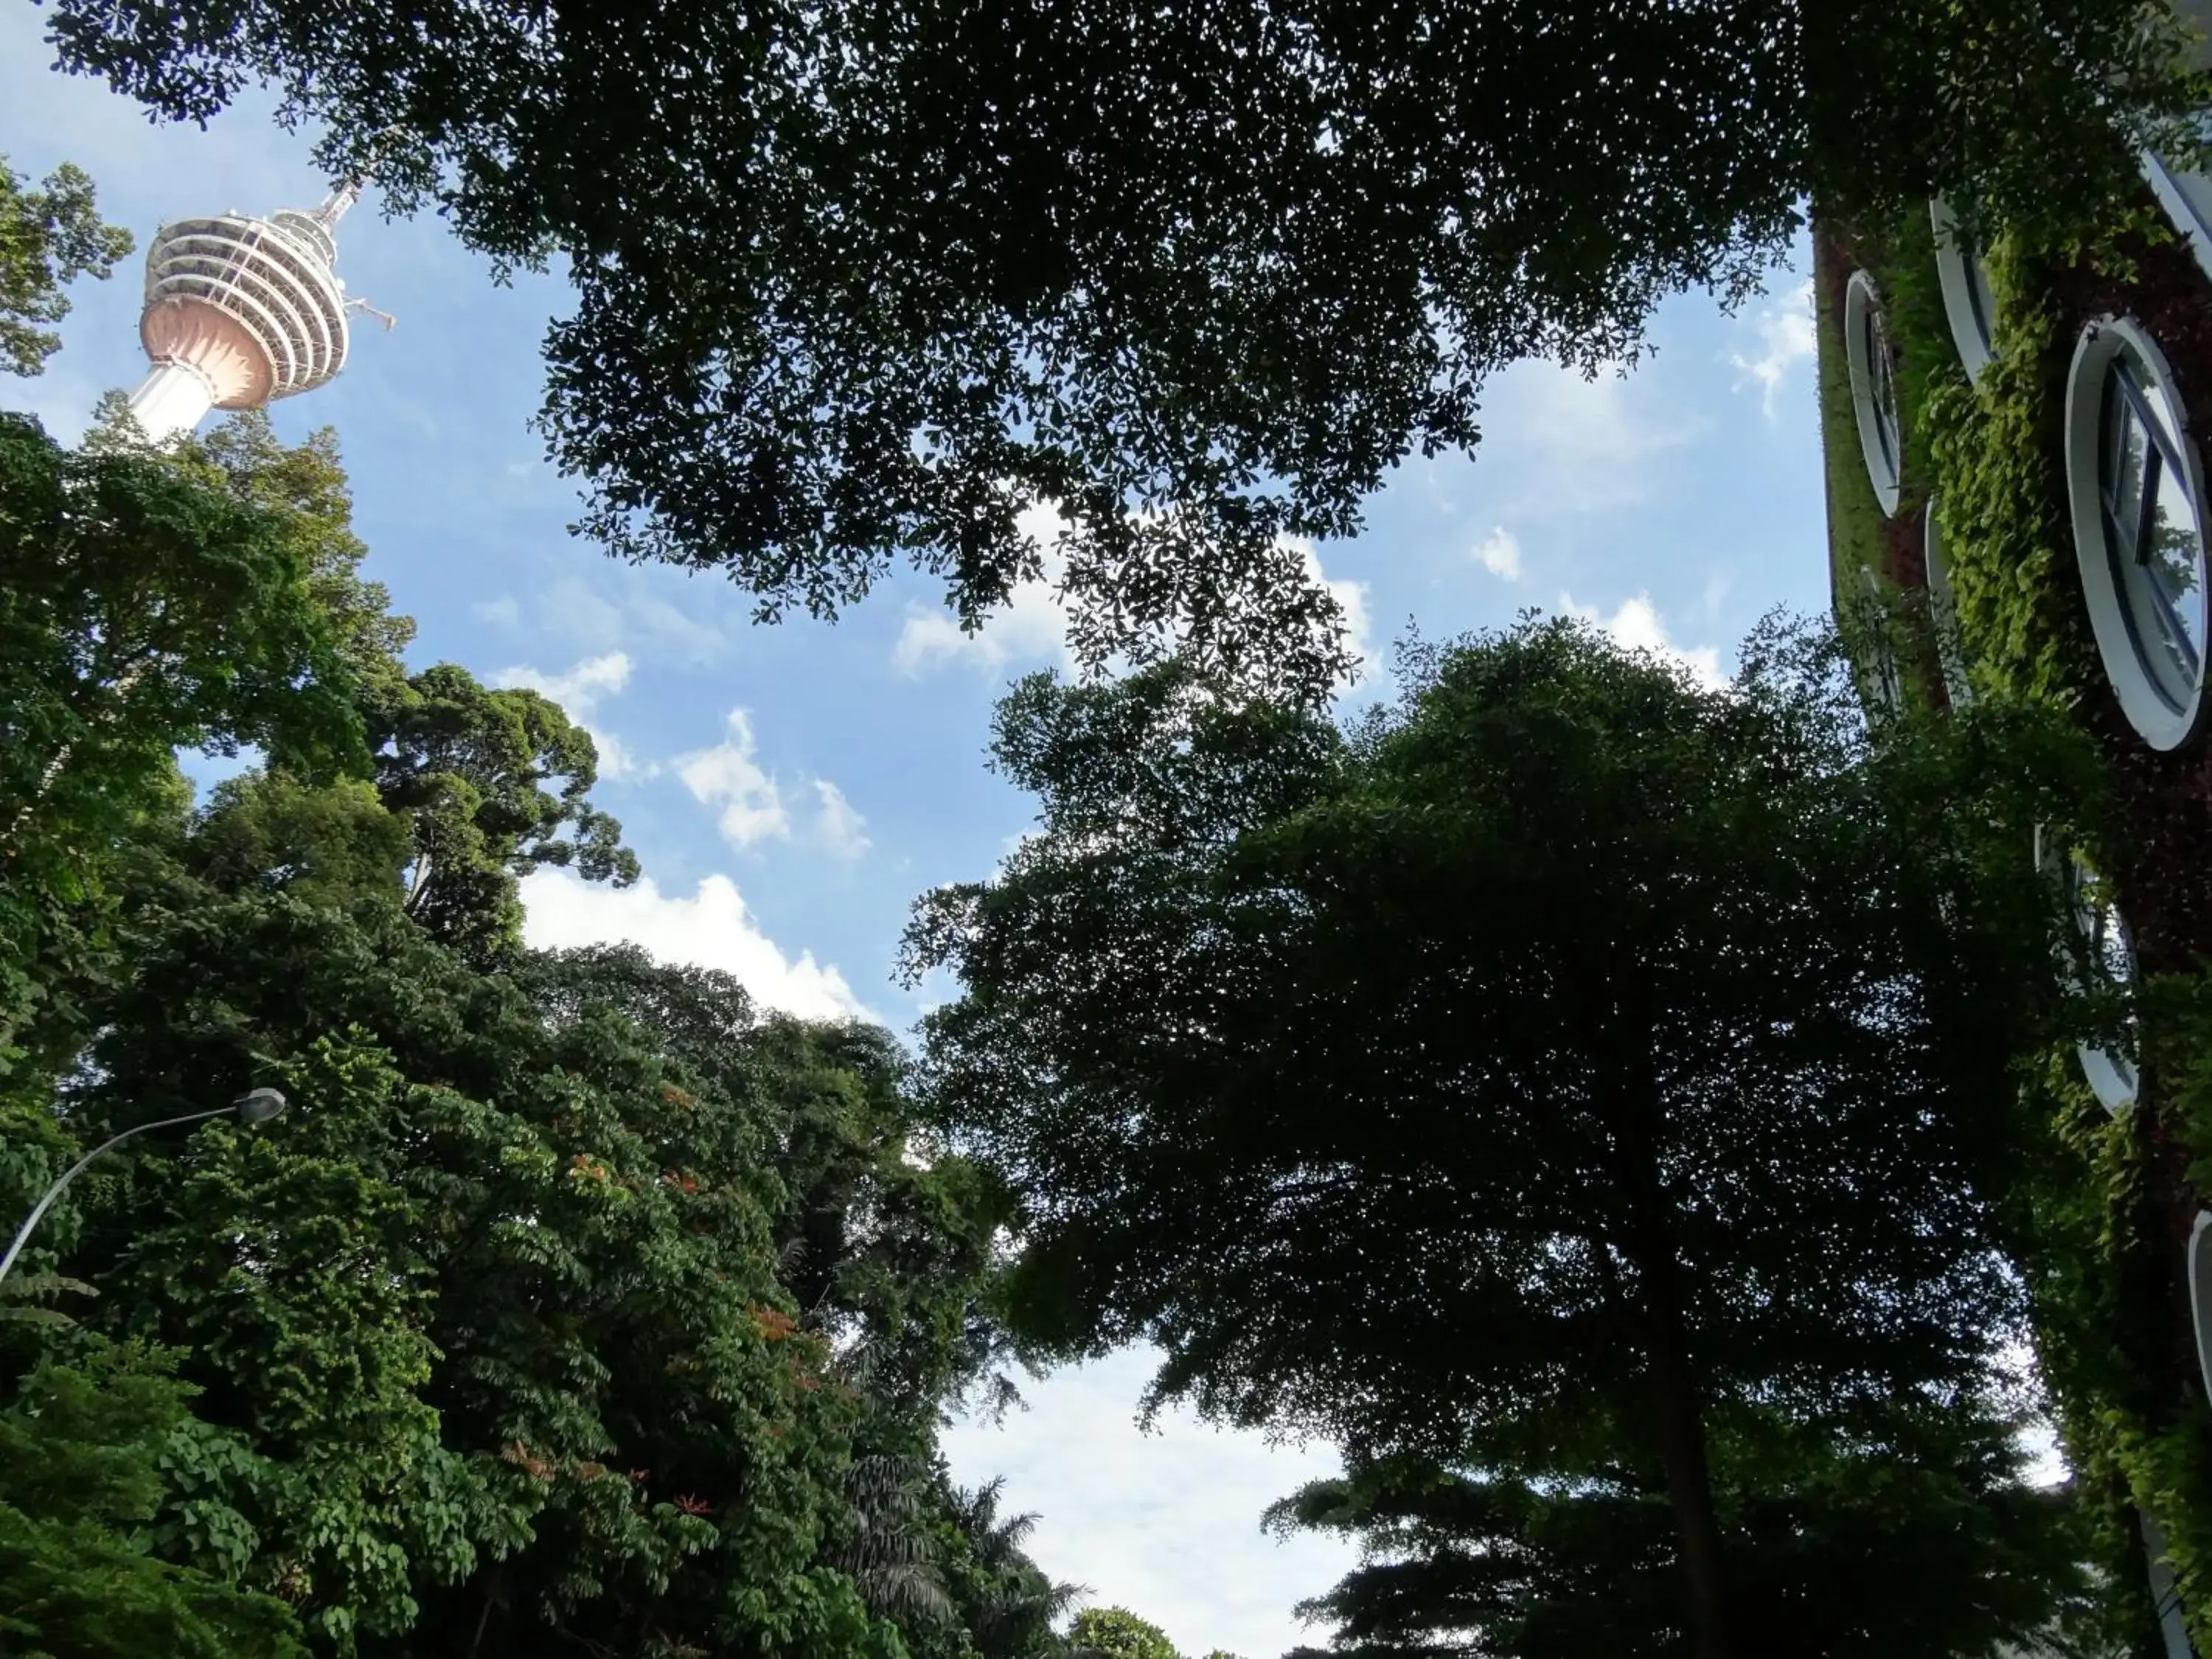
342, 197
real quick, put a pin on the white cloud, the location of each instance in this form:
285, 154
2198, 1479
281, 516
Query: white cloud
634, 616
837, 827
1432, 483
1785, 338
1499, 553
689, 631
1716, 592
1166, 1523
502, 612
1582, 444
576, 610
1351, 599
1637, 624
730, 776
753, 807
1030, 627
578, 692
577, 689
713, 929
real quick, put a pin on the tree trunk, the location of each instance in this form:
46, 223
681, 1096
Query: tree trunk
1679, 1417
483, 1618
1677, 1409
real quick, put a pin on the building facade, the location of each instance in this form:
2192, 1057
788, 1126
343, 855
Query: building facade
2014, 451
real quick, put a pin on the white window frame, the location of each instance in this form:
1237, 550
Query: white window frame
1969, 305
1884, 454
2164, 1594
1944, 612
2165, 717
2111, 1077
2187, 198
1881, 683
2200, 1294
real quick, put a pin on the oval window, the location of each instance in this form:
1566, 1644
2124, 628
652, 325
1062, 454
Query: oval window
1943, 614
1968, 302
2164, 1594
1874, 389
1881, 686
2200, 1294
2137, 492
2187, 198
2110, 1073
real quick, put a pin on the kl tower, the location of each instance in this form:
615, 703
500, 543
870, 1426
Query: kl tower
242, 311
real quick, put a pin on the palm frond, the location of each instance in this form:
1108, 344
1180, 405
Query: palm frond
888, 1551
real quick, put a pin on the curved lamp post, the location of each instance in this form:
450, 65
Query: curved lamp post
255, 1106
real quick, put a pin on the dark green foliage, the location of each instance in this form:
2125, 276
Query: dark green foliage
1543, 1075
84, 1448
469, 765
144, 606
306, 486
48, 239
1118, 1633
874, 276
1858, 1544
1006, 1605
495, 1322
576, 1303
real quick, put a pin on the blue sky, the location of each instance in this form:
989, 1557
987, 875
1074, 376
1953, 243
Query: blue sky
790, 789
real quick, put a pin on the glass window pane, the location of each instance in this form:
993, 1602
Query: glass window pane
1981, 297
2154, 524
2135, 383
2125, 460
2172, 567
1884, 391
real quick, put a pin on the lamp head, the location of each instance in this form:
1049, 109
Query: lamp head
258, 1105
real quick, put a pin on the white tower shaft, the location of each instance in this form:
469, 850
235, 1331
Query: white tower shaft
171, 400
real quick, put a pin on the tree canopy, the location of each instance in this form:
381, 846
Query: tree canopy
80, 1454
49, 238
146, 604
1559, 1075
1926, 1505
577, 1302
869, 278
1118, 1633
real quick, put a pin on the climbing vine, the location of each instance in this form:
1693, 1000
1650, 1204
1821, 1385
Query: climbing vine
2097, 1213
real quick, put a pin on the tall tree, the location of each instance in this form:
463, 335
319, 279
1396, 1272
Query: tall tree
873, 276
490, 1336
49, 238
144, 606
1118, 1633
471, 767
82, 1451
1008, 1606
576, 1302
1919, 1503
1549, 1069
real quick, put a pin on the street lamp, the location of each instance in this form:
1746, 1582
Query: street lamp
254, 1106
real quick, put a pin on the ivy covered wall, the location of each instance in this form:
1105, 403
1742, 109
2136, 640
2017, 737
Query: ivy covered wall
2103, 1207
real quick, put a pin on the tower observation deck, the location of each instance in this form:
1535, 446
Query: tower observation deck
239, 311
